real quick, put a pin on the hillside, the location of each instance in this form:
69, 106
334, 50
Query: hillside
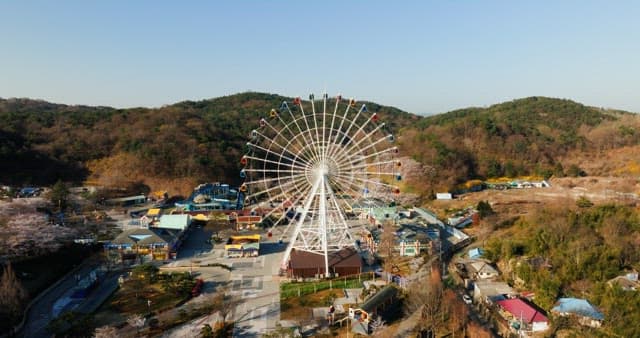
532, 136
172, 147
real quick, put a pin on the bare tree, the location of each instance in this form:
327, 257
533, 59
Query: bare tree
12, 293
136, 321
105, 332
224, 303
427, 298
378, 326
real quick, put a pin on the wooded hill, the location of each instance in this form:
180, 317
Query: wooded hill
177, 146
172, 147
531, 136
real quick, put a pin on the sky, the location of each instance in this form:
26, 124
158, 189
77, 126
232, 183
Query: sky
424, 57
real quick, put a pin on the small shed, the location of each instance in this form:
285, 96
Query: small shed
242, 246
444, 196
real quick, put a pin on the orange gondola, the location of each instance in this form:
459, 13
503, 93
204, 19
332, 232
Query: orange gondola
352, 102
273, 113
243, 188
398, 164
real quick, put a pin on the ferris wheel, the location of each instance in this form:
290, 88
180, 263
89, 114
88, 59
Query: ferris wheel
306, 165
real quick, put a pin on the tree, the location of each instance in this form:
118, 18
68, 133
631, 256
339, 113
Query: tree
584, 202
218, 225
59, 195
427, 299
12, 293
378, 326
145, 272
206, 331
136, 321
484, 208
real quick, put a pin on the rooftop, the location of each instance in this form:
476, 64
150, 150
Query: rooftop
577, 306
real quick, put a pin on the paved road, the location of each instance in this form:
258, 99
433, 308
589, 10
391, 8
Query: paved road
40, 313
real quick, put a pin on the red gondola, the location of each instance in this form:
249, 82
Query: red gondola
374, 117
396, 191
296, 100
243, 160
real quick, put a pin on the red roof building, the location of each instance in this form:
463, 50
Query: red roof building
518, 310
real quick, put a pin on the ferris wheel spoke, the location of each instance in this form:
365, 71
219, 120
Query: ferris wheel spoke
351, 124
333, 119
279, 187
255, 146
302, 133
270, 179
283, 148
347, 179
367, 147
280, 164
367, 137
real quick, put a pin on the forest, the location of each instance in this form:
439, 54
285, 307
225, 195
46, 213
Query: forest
191, 142
572, 252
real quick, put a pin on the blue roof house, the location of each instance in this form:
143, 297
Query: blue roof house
476, 253
586, 313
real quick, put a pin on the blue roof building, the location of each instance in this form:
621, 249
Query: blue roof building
587, 314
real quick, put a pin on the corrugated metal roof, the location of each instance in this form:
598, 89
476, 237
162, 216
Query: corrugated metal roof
520, 309
178, 222
577, 306
347, 257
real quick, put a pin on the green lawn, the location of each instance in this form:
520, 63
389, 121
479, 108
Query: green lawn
295, 289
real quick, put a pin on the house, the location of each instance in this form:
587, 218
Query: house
247, 222
242, 246
476, 253
159, 243
586, 313
490, 291
482, 270
528, 316
628, 282
362, 316
305, 264
127, 201
175, 222
444, 196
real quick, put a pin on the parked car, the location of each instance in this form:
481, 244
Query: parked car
467, 299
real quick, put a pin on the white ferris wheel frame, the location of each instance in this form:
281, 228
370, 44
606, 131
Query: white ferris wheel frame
298, 160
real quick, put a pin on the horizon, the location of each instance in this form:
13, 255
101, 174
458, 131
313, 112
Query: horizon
266, 93
423, 58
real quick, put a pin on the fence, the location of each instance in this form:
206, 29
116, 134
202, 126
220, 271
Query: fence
297, 289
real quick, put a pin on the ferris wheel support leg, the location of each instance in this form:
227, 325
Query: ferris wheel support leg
323, 224
296, 232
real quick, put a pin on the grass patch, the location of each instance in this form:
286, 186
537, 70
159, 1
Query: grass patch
300, 308
296, 289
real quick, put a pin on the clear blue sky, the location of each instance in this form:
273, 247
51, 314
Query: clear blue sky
421, 56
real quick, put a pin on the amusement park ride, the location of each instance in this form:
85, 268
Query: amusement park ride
309, 162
